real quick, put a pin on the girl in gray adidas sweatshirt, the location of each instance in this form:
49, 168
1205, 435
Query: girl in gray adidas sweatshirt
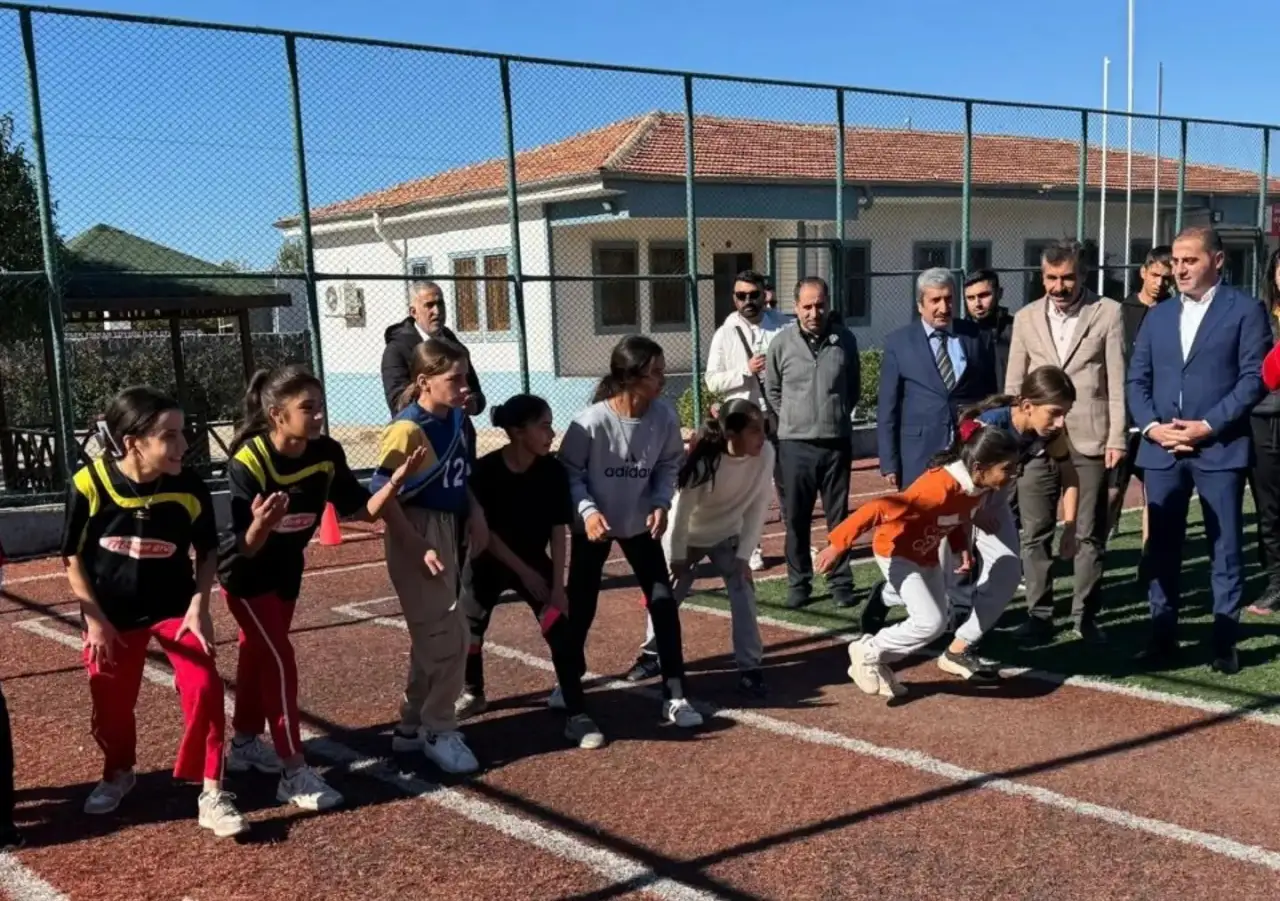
622, 455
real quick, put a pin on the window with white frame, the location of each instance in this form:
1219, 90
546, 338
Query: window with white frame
481, 292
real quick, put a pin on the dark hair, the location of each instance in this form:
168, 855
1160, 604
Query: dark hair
1068, 250
430, 358
518, 411
983, 275
984, 448
132, 413
1042, 385
628, 364
813, 282
1161, 253
752, 277
1206, 235
270, 388
712, 442
1270, 293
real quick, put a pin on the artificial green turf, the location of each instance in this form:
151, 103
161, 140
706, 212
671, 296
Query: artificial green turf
1124, 617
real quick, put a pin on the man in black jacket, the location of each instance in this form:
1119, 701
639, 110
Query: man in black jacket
982, 296
426, 320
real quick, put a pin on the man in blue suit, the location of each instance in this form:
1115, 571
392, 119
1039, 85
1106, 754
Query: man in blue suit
931, 369
1195, 373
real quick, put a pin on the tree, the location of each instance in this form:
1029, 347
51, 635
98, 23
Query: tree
21, 250
289, 257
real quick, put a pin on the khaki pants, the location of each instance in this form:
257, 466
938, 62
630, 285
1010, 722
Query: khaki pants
437, 628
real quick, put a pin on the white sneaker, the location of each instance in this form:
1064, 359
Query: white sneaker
470, 704
219, 815
864, 673
556, 700
583, 732
756, 563
890, 685
306, 790
108, 794
254, 754
449, 751
681, 713
404, 740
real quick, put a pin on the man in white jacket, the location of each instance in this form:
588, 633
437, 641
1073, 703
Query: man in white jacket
735, 362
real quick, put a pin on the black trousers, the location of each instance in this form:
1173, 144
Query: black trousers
586, 567
810, 468
1264, 482
6, 767
478, 599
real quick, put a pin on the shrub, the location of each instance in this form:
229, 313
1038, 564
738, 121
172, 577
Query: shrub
684, 406
871, 360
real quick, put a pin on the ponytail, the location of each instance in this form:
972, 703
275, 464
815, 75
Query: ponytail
628, 364
432, 357
253, 418
977, 446
712, 442
994, 402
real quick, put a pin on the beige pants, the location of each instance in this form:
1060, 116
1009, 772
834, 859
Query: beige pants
437, 628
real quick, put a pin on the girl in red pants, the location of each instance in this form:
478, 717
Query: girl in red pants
283, 472
133, 517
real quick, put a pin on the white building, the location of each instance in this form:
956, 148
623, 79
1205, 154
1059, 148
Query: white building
612, 201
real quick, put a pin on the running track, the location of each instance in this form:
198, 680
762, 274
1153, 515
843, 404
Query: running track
1032, 789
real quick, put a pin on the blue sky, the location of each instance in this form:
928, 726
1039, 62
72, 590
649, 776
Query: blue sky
185, 136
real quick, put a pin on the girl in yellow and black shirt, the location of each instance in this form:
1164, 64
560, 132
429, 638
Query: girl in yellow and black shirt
283, 472
133, 518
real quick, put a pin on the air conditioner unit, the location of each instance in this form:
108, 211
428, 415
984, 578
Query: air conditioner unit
352, 301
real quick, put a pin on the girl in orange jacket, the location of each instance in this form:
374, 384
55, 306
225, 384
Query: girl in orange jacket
910, 527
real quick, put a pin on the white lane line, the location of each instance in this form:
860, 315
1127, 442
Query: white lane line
915, 760
18, 883
617, 868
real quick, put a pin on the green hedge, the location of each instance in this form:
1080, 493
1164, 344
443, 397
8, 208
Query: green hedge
866, 402
101, 364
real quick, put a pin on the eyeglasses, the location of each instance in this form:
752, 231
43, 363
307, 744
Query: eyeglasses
747, 295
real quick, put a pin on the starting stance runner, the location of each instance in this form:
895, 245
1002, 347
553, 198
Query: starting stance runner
909, 529
283, 472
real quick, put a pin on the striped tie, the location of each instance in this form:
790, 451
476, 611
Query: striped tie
945, 369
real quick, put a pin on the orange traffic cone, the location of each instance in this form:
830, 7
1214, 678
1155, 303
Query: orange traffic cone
330, 531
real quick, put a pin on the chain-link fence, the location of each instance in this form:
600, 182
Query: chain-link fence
184, 203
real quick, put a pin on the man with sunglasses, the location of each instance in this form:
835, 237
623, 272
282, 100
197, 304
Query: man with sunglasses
736, 360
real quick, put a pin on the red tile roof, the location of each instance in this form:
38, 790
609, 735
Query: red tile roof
652, 146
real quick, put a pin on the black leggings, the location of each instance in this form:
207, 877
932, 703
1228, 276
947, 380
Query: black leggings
6, 767
586, 566
478, 600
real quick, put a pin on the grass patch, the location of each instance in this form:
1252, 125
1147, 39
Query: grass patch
1124, 616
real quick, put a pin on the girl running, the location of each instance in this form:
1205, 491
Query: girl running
283, 472
622, 454
1036, 418
719, 513
525, 495
435, 495
133, 518
909, 527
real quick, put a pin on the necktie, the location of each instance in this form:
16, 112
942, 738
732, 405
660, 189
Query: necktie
945, 369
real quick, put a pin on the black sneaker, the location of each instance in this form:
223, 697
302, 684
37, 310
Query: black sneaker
10, 838
645, 667
876, 611
969, 666
1034, 630
1227, 664
1158, 655
751, 683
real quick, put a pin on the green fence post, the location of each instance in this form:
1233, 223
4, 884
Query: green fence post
1082, 194
837, 264
513, 214
304, 218
1182, 176
691, 221
966, 196
1260, 253
61, 394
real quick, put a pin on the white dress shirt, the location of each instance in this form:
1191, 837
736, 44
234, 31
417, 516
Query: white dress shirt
1191, 314
1062, 326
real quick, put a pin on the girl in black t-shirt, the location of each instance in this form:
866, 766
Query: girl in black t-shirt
133, 517
524, 492
283, 472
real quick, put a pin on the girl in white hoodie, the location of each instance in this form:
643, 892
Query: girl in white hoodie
724, 492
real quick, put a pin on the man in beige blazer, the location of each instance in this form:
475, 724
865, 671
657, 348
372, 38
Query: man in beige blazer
1075, 329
